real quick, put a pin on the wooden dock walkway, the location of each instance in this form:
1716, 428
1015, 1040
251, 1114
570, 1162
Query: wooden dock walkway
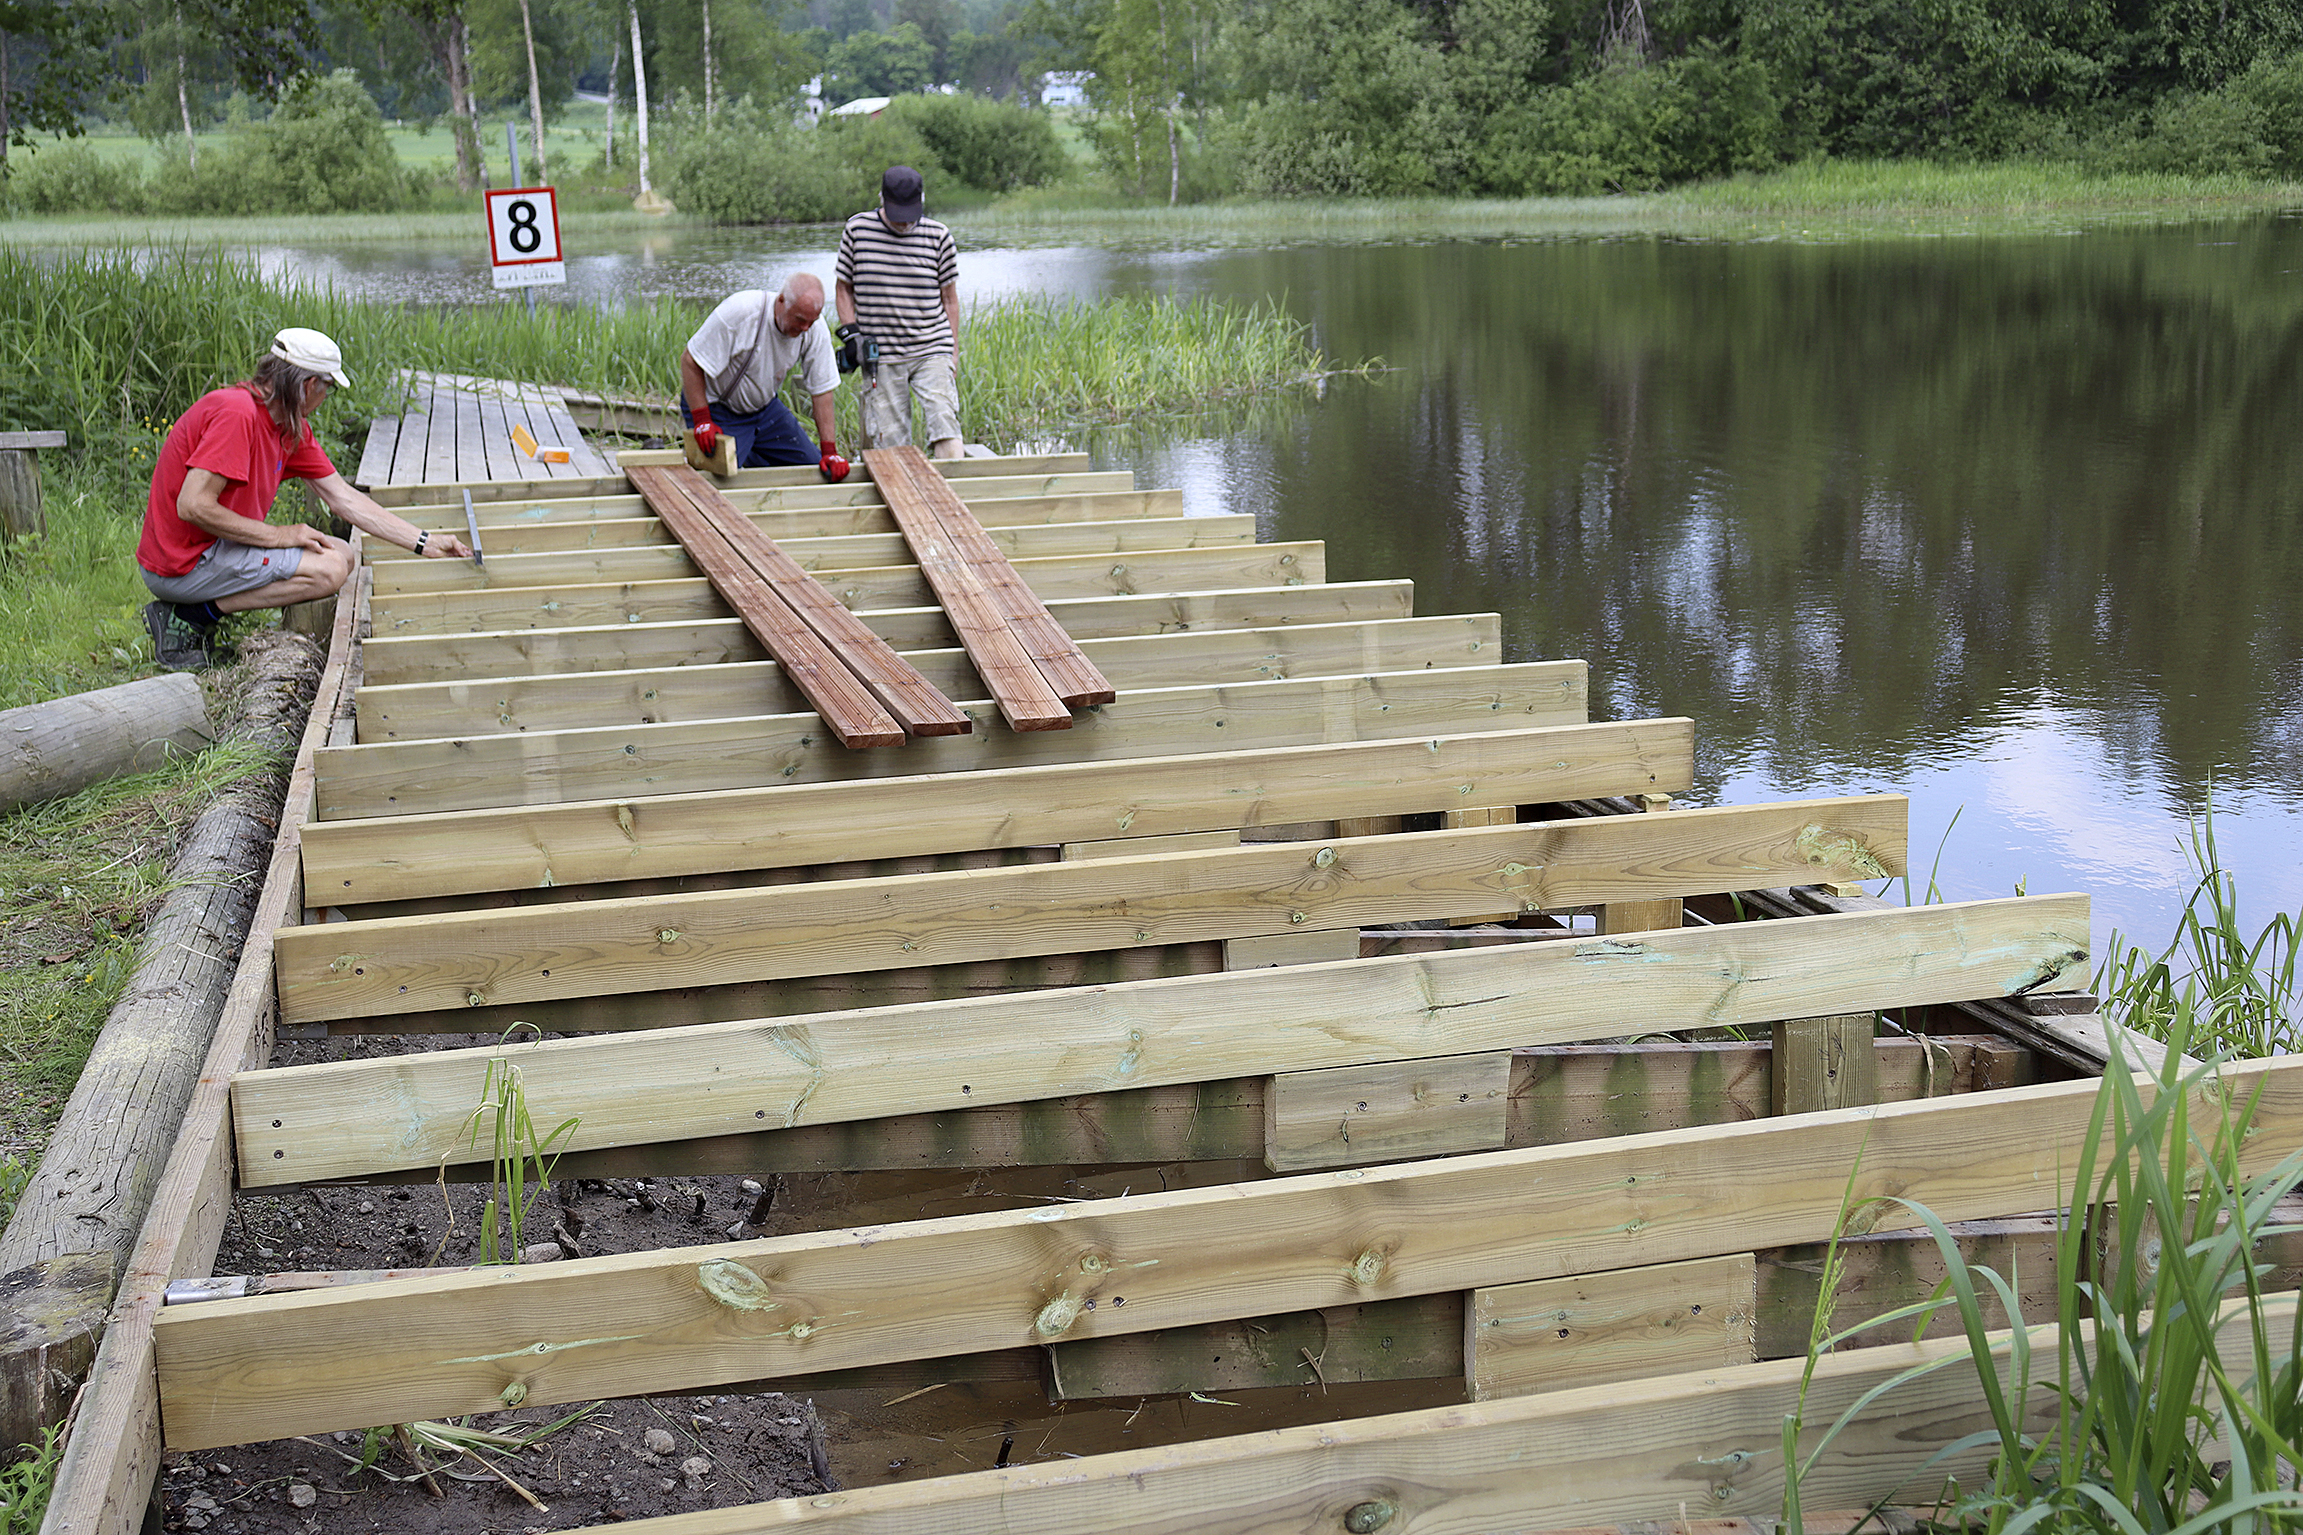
1357, 1024
458, 428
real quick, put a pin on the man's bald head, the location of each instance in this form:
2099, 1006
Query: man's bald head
801, 303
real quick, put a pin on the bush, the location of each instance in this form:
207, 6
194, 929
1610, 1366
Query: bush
746, 170
990, 145
322, 151
1635, 128
71, 178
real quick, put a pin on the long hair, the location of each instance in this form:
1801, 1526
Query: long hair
278, 386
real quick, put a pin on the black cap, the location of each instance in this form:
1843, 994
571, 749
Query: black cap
903, 197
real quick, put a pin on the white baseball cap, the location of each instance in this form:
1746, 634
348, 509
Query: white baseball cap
313, 352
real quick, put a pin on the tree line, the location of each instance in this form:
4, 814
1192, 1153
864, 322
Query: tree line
1203, 98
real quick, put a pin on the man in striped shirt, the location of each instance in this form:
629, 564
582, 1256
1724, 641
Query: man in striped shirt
896, 282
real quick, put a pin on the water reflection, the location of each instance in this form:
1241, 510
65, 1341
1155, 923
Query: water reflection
2009, 524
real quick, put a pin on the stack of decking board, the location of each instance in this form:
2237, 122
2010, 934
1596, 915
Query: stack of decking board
1199, 944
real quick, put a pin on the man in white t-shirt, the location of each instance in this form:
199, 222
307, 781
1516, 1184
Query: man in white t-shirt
736, 361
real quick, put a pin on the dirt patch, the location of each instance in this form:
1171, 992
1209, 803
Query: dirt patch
630, 1459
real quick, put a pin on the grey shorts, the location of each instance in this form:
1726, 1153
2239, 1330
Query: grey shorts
225, 570
888, 408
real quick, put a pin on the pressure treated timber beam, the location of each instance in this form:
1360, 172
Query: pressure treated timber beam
235, 1371
637, 528
846, 705
619, 645
389, 858
684, 498
1559, 1093
1627, 1324
930, 514
1607, 1460
668, 562
765, 751
578, 499
369, 969
878, 586
589, 700
729, 1078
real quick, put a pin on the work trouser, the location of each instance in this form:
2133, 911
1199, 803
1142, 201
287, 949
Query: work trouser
763, 438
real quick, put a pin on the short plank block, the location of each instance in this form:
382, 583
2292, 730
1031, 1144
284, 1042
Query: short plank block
366, 969
879, 586
1137, 847
381, 859
1825, 1063
751, 751
847, 707
1492, 815
1349, 1116
234, 1371
1319, 948
618, 645
1551, 1334
346, 1119
1418, 1339
11, 442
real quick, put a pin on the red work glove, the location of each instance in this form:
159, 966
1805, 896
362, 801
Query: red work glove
832, 466
707, 435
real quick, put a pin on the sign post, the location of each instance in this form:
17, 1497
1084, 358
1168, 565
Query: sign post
524, 233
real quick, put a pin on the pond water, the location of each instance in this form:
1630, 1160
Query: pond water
2013, 525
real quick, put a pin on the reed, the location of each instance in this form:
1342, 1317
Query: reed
2236, 994
2148, 1432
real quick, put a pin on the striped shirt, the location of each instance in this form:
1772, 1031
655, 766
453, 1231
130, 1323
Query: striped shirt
899, 282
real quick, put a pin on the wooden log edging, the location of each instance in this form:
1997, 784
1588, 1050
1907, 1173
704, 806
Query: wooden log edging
112, 1452
61, 746
76, 1218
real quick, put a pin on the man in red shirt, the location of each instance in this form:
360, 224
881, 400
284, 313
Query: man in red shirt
206, 548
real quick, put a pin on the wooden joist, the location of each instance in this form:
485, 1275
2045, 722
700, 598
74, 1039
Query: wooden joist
302, 1123
581, 498
1558, 1093
931, 515
394, 858
515, 534
852, 711
585, 700
368, 969
817, 556
741, 750
877, 586
234, 1371
618, 645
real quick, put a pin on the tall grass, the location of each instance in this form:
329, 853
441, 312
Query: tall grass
1035, 364
2237, 994
2147, 1430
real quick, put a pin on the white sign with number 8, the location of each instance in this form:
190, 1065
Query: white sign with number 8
524, 237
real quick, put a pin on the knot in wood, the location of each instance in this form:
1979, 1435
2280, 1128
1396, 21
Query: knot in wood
1366, 1518
735, 1286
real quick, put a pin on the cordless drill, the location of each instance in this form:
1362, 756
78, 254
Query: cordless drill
858, 350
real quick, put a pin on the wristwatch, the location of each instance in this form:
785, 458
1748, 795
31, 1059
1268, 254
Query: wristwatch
422, 539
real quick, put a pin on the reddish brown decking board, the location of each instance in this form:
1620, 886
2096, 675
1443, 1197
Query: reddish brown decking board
932, 516
849, 709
